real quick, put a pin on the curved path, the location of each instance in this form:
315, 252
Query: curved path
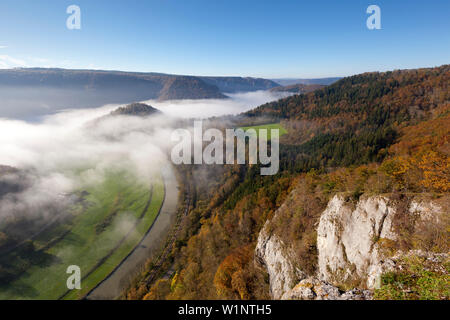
113, 285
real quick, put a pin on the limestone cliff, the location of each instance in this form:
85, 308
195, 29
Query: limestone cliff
350, 248
277, 258
347, 239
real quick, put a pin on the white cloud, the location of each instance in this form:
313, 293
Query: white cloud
39, 60
3, 47
7, 62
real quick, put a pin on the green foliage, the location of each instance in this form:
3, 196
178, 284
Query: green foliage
356, 119
417, 281
337, 150
273, 126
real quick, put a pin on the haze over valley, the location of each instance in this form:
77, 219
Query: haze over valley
53, 90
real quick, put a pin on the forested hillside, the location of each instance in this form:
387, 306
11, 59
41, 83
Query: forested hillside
298, 88
354, 120
374, 133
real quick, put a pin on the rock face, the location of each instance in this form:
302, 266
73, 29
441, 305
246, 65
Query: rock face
349, 245
313, 289
272, 254
347, 239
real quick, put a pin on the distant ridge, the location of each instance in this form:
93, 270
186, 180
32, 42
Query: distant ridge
240, 84
291, 81
55, 89
298, 88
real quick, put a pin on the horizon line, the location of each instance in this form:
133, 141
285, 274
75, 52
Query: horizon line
215, 76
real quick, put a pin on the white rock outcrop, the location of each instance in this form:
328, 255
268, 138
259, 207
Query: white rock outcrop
349, 245
277, 258
347, 239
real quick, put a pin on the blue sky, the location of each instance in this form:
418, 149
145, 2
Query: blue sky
226, 37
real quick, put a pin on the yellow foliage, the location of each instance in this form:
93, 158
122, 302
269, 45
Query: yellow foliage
174, 281
436, 170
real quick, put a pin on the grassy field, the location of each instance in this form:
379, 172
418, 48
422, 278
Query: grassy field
268, 127
114, 218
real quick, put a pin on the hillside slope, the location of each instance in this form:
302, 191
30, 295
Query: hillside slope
291, 81
240, 84
298, 88
188, 88
364, 145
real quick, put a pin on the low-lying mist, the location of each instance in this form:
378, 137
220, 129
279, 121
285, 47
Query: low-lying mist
68, 150
237, 103
72, 149
34, 104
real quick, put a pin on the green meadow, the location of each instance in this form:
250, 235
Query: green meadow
105, 226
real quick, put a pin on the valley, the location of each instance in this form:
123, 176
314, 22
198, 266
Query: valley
359, 208
359, 203
112, 286
224, 159
106, 224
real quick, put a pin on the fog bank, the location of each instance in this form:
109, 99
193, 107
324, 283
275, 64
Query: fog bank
237, 103
67, 150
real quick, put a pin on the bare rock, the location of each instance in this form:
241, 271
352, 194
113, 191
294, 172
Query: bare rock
278, 259
347, 239
314, 289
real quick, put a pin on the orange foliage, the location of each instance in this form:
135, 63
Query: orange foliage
230, 277
423, 148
